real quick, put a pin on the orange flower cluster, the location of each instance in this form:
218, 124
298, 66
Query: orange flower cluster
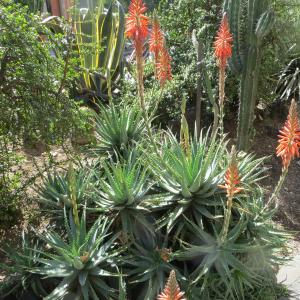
137, 31
232, 179
164, 67
172, 290
223, 43
137, 25
161, 54
289, 138
156, 40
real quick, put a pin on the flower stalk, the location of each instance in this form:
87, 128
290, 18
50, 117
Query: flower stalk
232, 187
223, 51
278, 187
221, 98
72, 192
137, 31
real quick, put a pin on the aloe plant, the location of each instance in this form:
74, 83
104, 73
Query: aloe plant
246, 59
122, 195
86, 261
149, 262
118, 129
19, 277
55, 193
191, 174
209, 255
233, 268
99, 31
267, 235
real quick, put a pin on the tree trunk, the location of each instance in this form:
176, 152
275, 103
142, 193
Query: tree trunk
55, 8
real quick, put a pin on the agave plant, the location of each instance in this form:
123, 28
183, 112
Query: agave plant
122, 194
99, 31
85, 261
59, 190
118, 129
19, 276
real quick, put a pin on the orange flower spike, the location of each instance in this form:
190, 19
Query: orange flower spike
232, 180
289, 137
172, 290
137, 24
223, 43
156, 40
163, 67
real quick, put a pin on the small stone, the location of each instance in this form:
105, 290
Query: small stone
54, 154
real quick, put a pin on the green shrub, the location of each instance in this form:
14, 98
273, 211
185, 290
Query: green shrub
36, 77
84, 131
34, 6
10, 186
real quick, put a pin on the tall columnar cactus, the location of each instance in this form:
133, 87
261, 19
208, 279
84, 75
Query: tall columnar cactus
250, 21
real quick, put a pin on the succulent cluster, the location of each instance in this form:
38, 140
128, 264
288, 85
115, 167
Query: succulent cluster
145, 215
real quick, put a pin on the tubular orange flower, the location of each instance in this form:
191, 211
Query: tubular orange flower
156, 40
232, 178
164, 67
223, 43
137, 25
172, 290
289, 137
